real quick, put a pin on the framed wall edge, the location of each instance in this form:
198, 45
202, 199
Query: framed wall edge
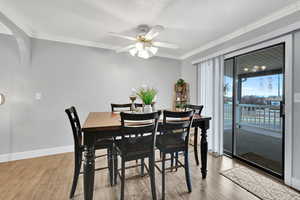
288, 146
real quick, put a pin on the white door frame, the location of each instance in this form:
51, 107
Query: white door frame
288, 40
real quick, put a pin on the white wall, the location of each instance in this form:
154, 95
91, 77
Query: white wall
189, 74
296, 114
65, 75
8, 62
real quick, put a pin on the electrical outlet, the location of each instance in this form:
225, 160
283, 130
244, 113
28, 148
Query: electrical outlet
38, 96
297, 97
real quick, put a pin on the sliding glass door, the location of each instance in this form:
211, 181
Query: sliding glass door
257, 115
228, 106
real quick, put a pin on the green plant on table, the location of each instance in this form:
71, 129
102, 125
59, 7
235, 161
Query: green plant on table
147, 95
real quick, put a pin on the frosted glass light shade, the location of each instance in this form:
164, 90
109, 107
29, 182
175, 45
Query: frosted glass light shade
133, 51
143, 50
139, 46
143, 54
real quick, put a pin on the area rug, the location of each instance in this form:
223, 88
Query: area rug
260, 185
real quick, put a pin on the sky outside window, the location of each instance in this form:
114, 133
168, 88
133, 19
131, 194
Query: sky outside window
263, 86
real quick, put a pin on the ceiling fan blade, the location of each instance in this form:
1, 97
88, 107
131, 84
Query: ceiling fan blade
154, 31
165, 45
125, 48
122, 36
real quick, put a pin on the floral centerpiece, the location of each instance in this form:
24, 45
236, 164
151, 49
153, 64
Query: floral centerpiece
147, 95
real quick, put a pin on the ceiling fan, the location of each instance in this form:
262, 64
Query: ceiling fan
144, 46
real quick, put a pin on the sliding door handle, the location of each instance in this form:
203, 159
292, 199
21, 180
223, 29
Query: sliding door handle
282, 109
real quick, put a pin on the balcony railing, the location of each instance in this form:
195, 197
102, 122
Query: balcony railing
259, 116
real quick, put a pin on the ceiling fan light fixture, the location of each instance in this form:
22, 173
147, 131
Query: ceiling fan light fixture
139, 46
144, 45
133, 51
144, 54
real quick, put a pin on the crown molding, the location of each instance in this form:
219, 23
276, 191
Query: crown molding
4, 30
75, 41
260, 23
18, 22
44, 36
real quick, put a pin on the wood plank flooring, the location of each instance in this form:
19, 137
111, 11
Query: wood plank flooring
50, 177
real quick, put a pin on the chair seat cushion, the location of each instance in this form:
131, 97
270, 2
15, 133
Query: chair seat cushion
104, 143
135, 146
171, 142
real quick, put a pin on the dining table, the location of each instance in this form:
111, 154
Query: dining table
101, 125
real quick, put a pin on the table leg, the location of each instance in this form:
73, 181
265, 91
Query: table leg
89, 172
204, 150
196, 145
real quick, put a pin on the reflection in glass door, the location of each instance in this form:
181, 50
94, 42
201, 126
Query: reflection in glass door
228, 108
258, 115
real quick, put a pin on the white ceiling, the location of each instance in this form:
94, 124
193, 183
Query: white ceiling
191, 24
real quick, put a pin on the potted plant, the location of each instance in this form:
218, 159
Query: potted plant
147, 95
179, 84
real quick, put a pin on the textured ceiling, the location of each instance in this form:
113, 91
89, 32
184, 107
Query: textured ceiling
188, 23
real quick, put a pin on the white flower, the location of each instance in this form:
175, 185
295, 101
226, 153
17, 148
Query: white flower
144, 86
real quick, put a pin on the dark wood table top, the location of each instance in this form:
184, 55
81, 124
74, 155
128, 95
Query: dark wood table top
102, 121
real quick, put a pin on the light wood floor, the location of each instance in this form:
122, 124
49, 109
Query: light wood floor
50, 177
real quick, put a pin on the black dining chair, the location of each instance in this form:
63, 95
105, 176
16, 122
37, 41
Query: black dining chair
79, 149
126, 107
120, 107
174, 140
141, 146
198, 109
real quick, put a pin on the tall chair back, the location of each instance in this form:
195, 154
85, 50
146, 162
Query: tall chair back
180, 122
140, 125
76, 127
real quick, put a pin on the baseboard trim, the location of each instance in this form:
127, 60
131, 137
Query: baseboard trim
35, 153
296, 183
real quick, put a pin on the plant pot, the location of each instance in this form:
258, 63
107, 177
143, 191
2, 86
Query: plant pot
147, 108
179, 88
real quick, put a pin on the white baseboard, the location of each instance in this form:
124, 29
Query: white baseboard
35, 153
296, 183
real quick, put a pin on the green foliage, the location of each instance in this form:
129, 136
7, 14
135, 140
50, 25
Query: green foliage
180, 105
147, 95
180, 82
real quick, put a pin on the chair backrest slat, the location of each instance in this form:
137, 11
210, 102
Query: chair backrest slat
120, 107
76, 126
135, 124
198, 108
